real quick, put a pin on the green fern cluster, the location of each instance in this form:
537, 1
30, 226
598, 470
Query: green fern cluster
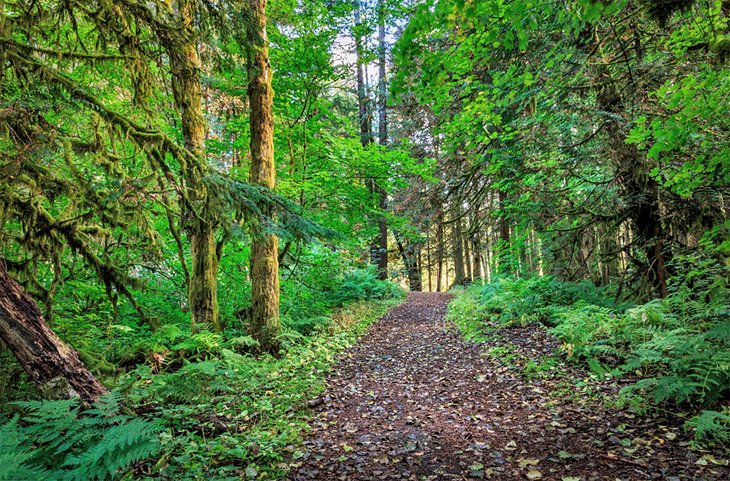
522, 301
687, 364
363, 284
679, 346
712, 427
59, 440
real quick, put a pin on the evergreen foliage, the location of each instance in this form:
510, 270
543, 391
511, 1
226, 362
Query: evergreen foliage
564, 163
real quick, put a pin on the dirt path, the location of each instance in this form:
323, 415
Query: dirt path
414, 401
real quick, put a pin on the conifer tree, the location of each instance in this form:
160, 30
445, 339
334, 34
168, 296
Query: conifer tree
265, 324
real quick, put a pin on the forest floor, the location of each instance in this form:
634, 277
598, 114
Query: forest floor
415, 401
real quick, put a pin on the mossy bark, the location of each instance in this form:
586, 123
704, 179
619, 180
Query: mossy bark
199, 214
639, 190
265, 324
55, 367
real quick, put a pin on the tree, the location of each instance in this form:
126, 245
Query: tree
54, 366
265, 324
566, 130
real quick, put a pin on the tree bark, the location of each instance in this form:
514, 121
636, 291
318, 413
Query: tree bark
440, 248
265, 323
382, 239
468, 268
52, 365
428, 261
458, 249
409, 253
639, 190
199, 215
478, 262
504, 236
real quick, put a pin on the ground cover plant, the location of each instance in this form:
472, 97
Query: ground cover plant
676, 350
214, 412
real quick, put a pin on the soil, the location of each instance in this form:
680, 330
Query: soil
415, 401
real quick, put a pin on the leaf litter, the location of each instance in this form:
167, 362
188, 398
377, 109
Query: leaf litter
415, 401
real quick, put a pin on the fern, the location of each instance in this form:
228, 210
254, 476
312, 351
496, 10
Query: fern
59, 440
711, 427
679, 346
16, 455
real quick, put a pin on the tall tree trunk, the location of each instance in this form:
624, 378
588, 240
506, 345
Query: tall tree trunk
382, 239
428, 261
199, 218
478, 262
458, 248
504, 235
409, 253
468, 268
366, 131
54, 366
382, 90
440, 248
379, 245
488, 255
265, 323
639, 190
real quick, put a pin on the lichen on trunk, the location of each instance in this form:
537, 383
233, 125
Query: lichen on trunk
199, 216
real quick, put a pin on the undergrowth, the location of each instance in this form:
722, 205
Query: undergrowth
58, 440
233, 415
199, 406
678, 347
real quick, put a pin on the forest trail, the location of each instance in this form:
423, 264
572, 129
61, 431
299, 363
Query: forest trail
415, 401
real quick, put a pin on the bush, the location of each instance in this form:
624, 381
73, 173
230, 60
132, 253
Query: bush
363, 284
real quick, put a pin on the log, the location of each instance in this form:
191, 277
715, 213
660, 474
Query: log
54, 366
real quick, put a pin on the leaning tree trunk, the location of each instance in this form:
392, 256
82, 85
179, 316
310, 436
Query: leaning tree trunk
265, 323
54, 366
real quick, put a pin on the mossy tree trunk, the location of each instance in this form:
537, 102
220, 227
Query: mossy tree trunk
409, 252
52, 365
199, 214
265, 324
639, 189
